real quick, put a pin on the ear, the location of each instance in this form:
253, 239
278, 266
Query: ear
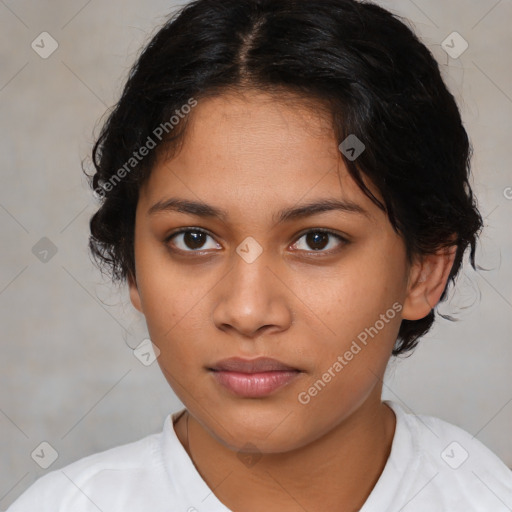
134, 293
427, 281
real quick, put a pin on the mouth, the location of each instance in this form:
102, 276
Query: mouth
253, 378
258, 365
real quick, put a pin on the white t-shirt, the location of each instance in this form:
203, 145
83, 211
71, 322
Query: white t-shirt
433, 466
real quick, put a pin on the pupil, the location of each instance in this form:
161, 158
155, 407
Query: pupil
317, 238
193, 239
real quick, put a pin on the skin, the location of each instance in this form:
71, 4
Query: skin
253, 154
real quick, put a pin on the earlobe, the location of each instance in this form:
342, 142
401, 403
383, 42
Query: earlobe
134, 293
427, 281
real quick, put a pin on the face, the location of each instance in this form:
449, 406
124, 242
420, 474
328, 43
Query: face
320, 290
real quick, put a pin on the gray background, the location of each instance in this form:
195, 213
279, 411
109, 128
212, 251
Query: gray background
68, 374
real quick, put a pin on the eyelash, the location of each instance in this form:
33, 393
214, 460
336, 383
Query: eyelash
343, 240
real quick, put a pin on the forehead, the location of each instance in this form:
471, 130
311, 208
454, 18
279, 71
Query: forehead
250, 130
254, 148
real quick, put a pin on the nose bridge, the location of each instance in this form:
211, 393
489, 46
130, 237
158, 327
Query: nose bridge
250, 277
251, 296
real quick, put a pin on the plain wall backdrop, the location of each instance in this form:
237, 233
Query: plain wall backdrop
69, 376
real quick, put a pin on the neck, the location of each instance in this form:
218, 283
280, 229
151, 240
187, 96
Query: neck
336, 472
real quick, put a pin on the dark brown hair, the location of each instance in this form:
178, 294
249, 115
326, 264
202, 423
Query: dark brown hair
380, 82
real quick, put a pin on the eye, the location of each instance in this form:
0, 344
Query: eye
318, 240
191, 240
195, 240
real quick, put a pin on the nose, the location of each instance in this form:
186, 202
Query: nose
252, 300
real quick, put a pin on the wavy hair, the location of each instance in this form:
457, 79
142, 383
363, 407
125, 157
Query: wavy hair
361, 62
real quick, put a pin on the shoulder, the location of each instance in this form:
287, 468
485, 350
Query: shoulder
455, 468
85, 484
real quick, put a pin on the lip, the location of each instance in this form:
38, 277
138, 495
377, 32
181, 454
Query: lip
253, 378
258, 365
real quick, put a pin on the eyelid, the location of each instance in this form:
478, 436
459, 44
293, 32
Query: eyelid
180, 231
343, 239
332, 232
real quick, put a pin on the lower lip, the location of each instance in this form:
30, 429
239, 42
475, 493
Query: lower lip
253, 385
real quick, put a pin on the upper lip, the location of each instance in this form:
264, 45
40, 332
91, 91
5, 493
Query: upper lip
260, 364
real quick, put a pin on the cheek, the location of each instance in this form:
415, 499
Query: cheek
357, 316
176, 322
176, 307
171, 293
354, 296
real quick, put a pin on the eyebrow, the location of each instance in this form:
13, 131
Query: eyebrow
200, 209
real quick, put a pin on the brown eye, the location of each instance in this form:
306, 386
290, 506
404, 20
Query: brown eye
191, 240
194, 239
318, 240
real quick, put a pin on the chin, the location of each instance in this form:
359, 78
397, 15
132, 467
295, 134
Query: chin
267, 430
